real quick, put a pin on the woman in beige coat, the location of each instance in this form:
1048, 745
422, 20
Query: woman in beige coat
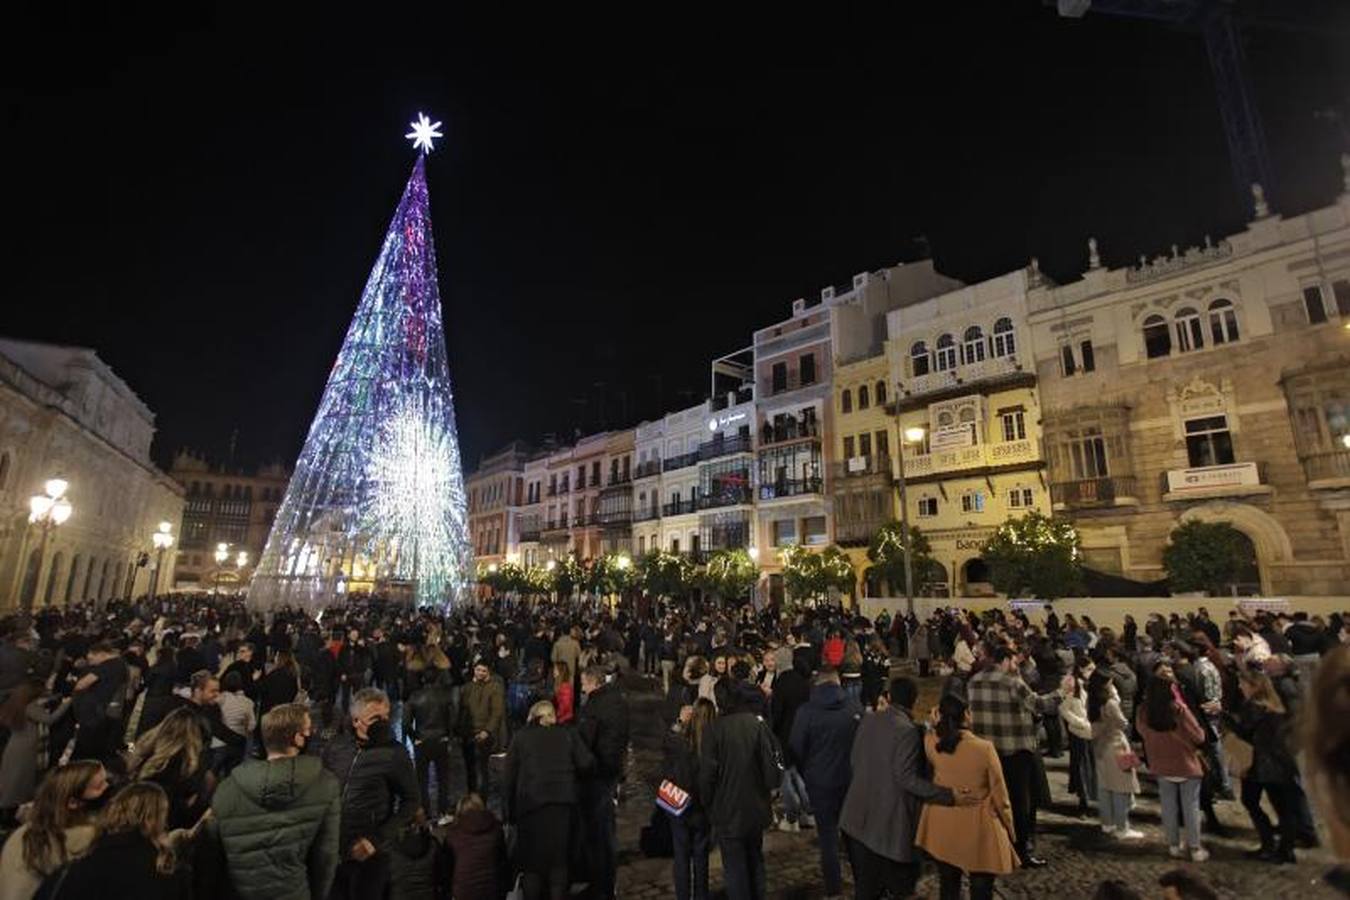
976, 836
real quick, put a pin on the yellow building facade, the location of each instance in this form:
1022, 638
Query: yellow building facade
966, 377
862, 481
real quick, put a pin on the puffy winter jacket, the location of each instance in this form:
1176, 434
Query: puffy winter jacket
278, 824
379, 789
427, 714
822, 736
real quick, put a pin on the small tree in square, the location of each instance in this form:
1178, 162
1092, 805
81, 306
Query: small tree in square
887, 555
1205, 556
731, 574
1035, 556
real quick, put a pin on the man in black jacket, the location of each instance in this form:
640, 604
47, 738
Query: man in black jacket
427, 720
379, 796
821, 741
738, 771
603, 726
791, 689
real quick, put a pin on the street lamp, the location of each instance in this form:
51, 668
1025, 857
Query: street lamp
46, 510
163, 540
911, 435
222, 554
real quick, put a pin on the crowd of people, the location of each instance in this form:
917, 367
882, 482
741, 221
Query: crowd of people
188, 747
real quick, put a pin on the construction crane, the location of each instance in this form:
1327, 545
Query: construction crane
1237, 106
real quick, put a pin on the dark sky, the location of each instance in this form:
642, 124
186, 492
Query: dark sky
613, 208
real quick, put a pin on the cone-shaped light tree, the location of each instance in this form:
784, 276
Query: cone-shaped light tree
377, 499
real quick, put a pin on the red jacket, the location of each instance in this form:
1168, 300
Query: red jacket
562, 701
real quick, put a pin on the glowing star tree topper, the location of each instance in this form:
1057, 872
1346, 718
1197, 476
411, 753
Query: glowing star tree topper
423, 130
377, 500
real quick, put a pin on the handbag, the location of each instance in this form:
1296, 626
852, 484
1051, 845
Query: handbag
1127, 761
1239, 754
672, 798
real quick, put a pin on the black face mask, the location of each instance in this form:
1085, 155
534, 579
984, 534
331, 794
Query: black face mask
379, 732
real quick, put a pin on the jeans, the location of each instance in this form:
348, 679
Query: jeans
476, 757
1180, 800
949, 883
743, 866
829, 801
1113, 808
874, 874
1283, 798
667, 669
691, 859
598, 815
795, 801
1019, 772
435, 752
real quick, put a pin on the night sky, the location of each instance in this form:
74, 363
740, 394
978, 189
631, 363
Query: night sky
614, 206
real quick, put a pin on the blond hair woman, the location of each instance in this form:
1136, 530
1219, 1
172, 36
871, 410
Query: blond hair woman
173, 756
59, 828
540, 794
130, 856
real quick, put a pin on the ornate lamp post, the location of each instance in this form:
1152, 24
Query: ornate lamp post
906, 436
46, 510
222, 554
163, 540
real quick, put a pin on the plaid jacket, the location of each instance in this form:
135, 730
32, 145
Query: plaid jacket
1004, 710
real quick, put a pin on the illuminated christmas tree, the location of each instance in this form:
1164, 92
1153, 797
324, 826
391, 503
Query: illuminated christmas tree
377, 499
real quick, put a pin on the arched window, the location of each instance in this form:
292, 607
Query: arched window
881, 393
1190, 334
4, 470
945, 419
1223, 325
946, 353
1005, 343
70, 579
50, 593
864, 400
846, 400
1157, 337
918, 359
972, 345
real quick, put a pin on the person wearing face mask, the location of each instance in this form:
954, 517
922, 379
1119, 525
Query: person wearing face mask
277, 820
380, 796
60, 828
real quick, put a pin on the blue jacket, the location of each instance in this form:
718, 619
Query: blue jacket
822, 737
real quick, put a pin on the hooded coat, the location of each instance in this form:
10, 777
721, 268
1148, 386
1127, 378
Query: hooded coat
822, 738
277, 821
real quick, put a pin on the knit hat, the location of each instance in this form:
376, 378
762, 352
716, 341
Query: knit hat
833, 652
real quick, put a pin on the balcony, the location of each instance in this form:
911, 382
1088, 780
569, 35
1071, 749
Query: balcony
965, 377
552, 490
858, 532
788, 431
646, 515
724, 447
732, 497
1095, 493
529, 537
614, 518
619, 480
862, 467
682, 461
648, 469
976, 456
1203, 482
1328, 469
679, 508
790, 487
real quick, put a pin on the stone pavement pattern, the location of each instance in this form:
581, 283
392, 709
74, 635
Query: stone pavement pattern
1079, 855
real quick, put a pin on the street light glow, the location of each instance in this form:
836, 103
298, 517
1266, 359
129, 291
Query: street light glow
61, 510
242, 559
165, 527
56, 487
914, 434
38, 505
